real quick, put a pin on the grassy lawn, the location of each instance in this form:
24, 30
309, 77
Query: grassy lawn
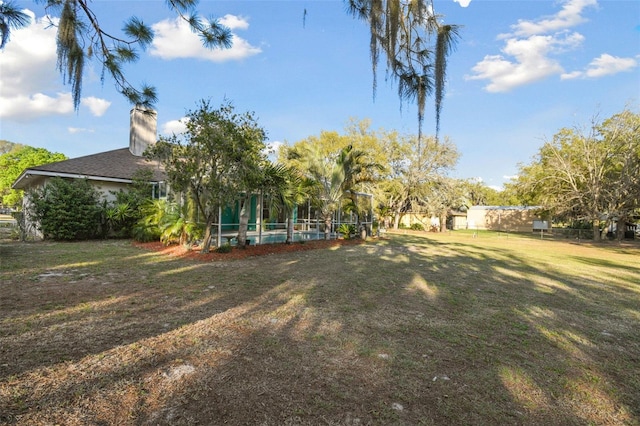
411, 329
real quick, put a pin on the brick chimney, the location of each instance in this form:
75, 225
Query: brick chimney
142, 133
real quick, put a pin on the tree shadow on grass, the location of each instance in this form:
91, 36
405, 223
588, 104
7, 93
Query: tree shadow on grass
406, 331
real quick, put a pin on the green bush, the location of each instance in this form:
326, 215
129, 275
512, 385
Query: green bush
145, 234
417, 227
347, 230
119, 219
167, 222
225, 248
66, 209
122, 215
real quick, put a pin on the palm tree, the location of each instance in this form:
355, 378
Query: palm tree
357, 171
179, 224
327, 175
287, 188
335, 176
170, 221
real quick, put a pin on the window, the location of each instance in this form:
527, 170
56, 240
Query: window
159, 190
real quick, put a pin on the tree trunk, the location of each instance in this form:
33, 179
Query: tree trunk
396, 221
328, 220
596, 230
621, 227
244, 221
289, 239
354, 200
206, 243
443, 222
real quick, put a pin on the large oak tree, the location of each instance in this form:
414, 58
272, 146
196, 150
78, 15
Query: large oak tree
591, 175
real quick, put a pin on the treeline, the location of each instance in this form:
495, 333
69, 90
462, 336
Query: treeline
589, 176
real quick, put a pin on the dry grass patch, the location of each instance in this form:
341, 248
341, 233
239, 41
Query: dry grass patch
411, 329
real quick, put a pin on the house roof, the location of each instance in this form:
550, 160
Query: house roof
119, 165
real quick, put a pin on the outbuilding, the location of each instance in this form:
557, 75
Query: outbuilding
505, 218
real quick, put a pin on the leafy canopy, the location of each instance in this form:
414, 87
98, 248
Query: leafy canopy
588, 175
217, 158
81, 37
14, 162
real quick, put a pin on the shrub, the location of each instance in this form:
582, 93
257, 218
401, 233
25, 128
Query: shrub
122, 216
417, 227
225, 248
119, 220
145, 234
66, 209
168, 222
347, 230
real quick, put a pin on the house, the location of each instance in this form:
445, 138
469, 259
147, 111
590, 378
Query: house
108, 171
505, 218
457, 220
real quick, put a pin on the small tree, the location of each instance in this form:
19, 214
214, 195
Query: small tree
214, 161
66, 209
328, 176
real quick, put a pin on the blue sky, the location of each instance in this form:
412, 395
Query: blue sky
522, 71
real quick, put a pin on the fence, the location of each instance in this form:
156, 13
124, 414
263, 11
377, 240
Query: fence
276, 232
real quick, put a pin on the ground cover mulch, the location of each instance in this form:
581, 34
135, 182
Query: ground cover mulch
236, 253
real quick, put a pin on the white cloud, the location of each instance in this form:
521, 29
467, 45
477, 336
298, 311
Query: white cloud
571, 75
26, 64
24, 107
531, 63
174, 39
175, 127
602, 66
568, 17
528, 52
607, 64
272, 148
234, 22
28, 59
29, 84
463, 3
97, 106
74, 130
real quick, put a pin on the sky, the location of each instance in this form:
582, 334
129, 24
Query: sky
522, 71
